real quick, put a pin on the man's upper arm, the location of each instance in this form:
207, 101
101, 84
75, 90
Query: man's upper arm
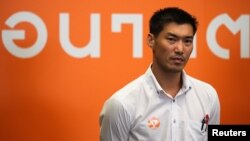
114, 122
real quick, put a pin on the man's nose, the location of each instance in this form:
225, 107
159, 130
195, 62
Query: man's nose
179, 47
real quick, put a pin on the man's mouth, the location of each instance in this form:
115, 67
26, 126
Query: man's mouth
178, 59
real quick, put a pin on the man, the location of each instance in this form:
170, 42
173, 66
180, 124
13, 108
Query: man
164, 104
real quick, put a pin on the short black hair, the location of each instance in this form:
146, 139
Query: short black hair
170, 15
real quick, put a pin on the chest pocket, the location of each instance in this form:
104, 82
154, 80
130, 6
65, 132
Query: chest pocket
195, 131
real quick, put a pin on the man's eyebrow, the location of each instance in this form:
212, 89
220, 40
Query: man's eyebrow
171, 34
176, 36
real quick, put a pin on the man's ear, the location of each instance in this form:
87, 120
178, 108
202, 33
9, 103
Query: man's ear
150, 40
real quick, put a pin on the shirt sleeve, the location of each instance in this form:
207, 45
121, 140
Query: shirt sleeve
114, 122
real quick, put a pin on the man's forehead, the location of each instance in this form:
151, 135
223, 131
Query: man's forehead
179, 36
179, 30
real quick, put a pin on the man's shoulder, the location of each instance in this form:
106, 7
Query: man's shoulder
204, 89
200, 83
127, 95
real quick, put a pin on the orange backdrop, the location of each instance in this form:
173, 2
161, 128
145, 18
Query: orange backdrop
55, 96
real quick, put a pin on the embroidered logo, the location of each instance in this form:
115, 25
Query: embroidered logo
154, 123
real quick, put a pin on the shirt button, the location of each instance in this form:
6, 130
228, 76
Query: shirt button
173, 100
174, 121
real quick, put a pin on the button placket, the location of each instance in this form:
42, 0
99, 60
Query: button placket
174, 120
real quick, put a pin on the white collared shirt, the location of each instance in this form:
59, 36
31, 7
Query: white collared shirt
143, 111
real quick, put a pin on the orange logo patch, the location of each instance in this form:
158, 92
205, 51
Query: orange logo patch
154, 123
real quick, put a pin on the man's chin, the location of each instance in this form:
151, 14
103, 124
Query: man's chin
176, 70
173, 69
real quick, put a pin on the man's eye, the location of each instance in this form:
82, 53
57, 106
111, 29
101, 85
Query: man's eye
188, 42
171, 40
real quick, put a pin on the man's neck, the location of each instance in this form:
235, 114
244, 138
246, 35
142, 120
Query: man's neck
171, 82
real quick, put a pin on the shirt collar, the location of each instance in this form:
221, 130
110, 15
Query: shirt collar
185, 87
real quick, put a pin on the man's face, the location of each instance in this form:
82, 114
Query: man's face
172, 47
